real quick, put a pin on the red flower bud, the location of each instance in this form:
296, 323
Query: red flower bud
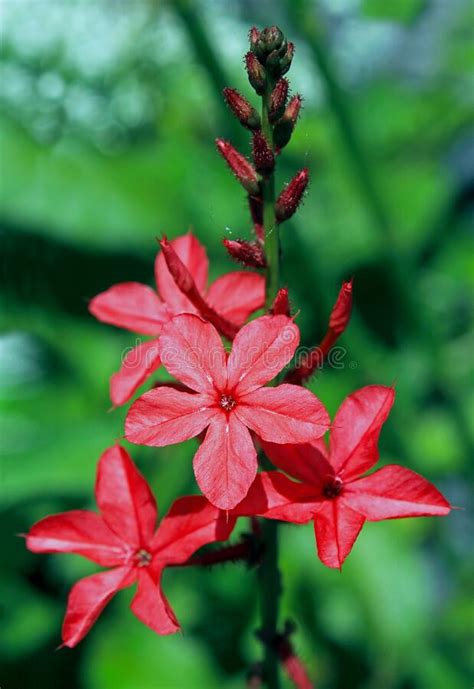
250, 254
285, 62
278, 100
242, 109
262, 154
341, 312
239, 165
285, 126
254, 35
281, 303
256, 73
291, 196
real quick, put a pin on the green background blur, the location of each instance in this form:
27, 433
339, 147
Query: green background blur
109, 113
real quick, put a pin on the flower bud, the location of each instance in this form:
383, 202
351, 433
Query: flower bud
278, 100
250, 254
341, 312
256, 73
281, 303
291, 196
271, 39
262, 154
254, 35
286, 60
239, 165
285, 126
242, 109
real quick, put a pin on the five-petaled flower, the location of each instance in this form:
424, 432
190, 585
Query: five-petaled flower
123, 537
139, 308
228, 399
331, 491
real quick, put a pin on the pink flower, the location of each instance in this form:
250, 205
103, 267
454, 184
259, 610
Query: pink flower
228, 400
123, 537
139, 308
331, 490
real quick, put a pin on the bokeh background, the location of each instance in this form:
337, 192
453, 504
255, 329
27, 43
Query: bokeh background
109, 113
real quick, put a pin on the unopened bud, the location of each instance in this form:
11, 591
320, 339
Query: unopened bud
281, 303
271, 39
250, 254
341, 312
291, 196
239, 165
254, 35
262, 154
242, 109
285, 126
286, 60
256, 73
278, 100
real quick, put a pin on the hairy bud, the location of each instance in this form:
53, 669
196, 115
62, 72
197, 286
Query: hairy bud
239, 165
278, 100
254, 35
262, 154
291, 196
286, 60
281, 303
250, 254
242, 109
256, 73
285, 126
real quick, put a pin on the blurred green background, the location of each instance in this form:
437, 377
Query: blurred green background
109, 113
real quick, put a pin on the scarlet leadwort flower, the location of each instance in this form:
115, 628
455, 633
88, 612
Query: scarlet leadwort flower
228, 399
123, 537
331, 490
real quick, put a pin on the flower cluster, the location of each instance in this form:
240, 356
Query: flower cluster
232, 394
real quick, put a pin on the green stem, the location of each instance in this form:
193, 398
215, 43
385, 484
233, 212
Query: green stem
269, 574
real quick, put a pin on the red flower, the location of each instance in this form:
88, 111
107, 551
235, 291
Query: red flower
137, 307
123, 537
330, 490
230, 400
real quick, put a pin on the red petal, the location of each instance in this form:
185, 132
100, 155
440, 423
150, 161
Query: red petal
78, 531
226, 463
393, 492
165, 416
193, 255
124, 498
192, 351
336, 527
307, 462
139, 363
191, 523
356, 429
151, 607
88, 598
237, 295
285, 414
130, 305
275, 496
260, 350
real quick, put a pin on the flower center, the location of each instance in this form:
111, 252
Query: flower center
333, 488
227, 402
143, 558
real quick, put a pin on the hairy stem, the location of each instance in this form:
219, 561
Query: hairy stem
269, 574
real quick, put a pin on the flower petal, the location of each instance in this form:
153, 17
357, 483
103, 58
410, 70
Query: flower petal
88, 598
226, 463
130, 305
336, 528
165, 416
81, 532
394, 492
285, 414
237, 295
191, 523
259, 352
307, 462
275, 496
356, 429
193, 255
139, 363
124, 498
192, 351
151, 607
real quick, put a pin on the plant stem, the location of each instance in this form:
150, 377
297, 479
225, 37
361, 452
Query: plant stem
269, 574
